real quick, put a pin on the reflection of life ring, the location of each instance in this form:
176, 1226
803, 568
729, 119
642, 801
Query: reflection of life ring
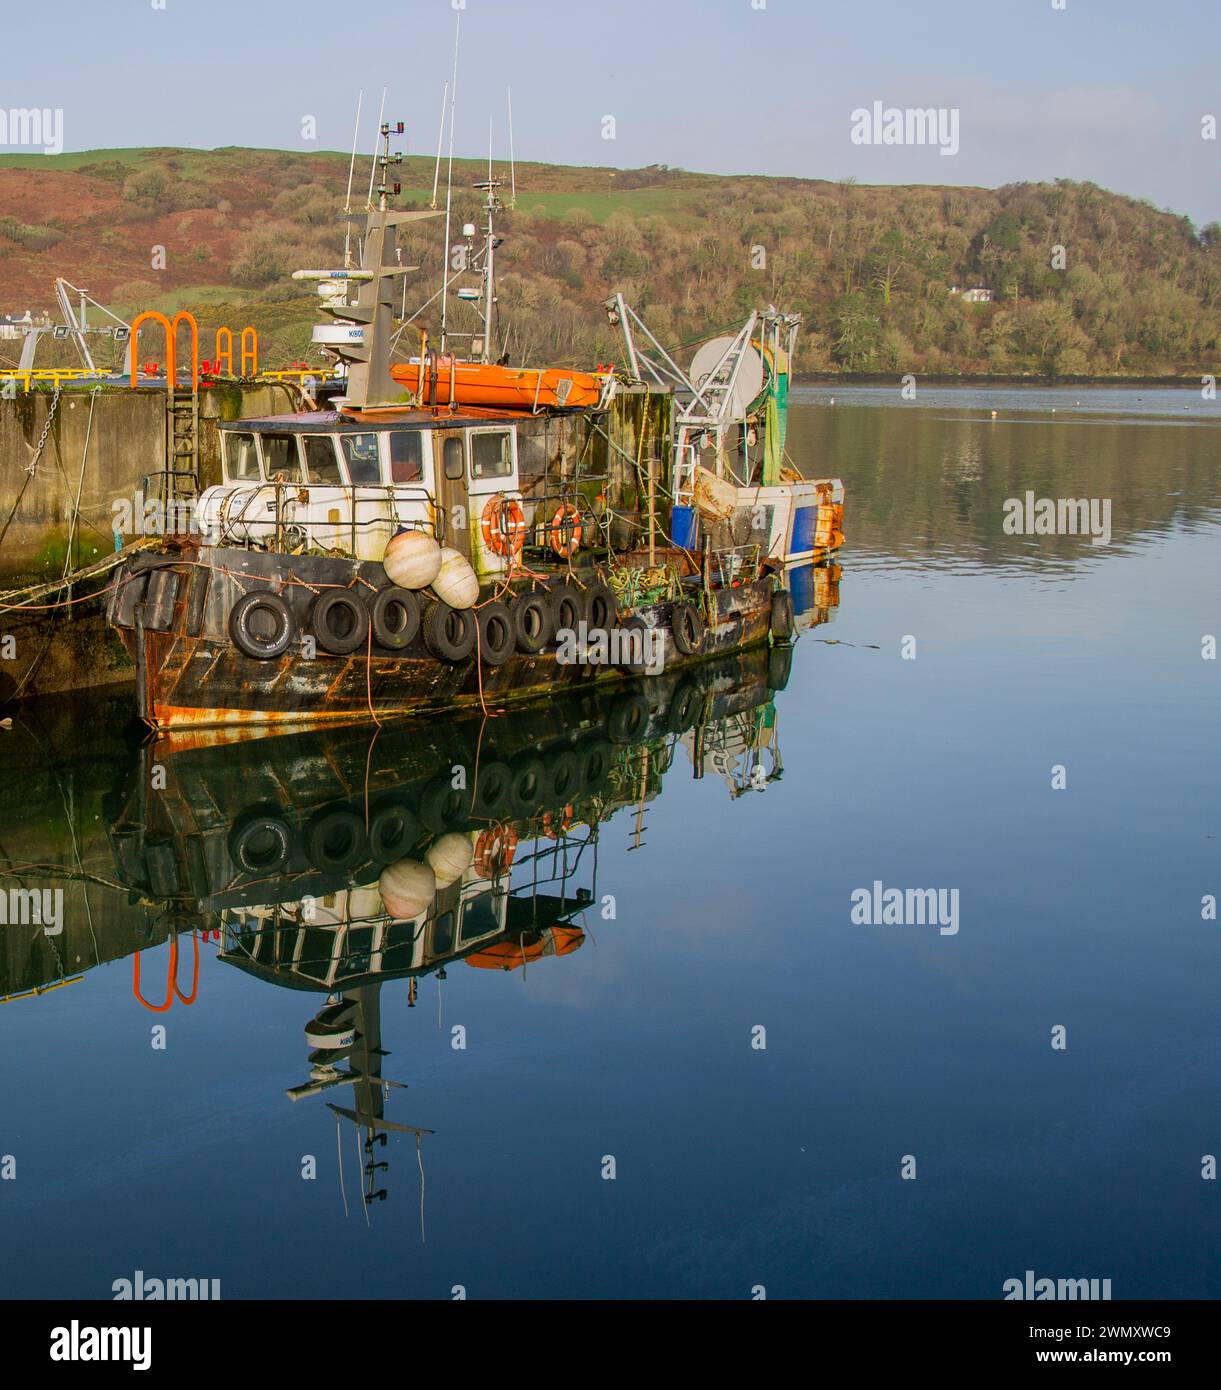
494, 851
556, 824
504, 525
564, 534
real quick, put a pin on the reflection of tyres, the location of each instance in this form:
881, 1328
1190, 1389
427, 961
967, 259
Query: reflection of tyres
684, 707
564, 782
533, 622
442, 806
600, 606
597, 758
335, 841
393, 831
261, 625
260, 843
449, 633
629, 718
492, 786
340, 621
568, 607
496, 636
779, 667
687, 626
527, 788
783, 624
395, 618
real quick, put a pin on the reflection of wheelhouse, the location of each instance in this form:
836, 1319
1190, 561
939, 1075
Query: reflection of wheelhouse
346, 939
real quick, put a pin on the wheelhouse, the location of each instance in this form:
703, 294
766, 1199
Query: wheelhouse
347, 483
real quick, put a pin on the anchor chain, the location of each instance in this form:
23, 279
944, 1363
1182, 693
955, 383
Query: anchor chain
46, 430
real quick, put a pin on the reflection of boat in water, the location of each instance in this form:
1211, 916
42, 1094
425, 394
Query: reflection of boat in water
334, 862
337, 861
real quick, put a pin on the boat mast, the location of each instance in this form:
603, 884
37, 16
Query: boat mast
449, 188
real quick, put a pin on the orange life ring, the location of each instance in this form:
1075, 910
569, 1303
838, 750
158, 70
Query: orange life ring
494, 851
504, 525
564, 533
552, 828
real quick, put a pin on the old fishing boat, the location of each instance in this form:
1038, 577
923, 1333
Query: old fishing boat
455, 533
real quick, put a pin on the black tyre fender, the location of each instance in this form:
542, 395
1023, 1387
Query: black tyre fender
497, 638
394, 829
262, 603
492, 786
628, 719
688, 628
442, 805
782, 625
685, 707
339, 620
395, 618
449, 633
335, 840
528, 787
779, 667
601, 606
533, 622
597, 756
260, 842
568, 609
564, 781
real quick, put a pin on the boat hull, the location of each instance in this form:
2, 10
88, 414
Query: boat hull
172, 614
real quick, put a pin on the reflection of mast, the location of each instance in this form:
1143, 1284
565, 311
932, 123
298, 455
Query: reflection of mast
352, 1026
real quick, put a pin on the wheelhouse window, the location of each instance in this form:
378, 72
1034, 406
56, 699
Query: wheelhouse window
481, 917
406, 456
360, 453
241, 457
280, 456
453, 459
321, 461
491, 454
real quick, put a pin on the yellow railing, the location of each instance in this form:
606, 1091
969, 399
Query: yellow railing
56, 375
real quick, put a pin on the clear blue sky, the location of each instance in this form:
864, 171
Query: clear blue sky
1108, 90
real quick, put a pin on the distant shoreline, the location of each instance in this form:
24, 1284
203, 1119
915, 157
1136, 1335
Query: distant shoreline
1186, 383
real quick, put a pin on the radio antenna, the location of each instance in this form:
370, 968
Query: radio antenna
449, 185
512, 163
347, 207
381, 116
436, 177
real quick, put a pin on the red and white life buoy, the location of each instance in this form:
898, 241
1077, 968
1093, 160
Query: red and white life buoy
564, 533
504, 525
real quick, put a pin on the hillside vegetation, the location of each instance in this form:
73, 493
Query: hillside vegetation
1131, 291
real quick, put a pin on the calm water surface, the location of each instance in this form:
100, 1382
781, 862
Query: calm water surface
591, 1038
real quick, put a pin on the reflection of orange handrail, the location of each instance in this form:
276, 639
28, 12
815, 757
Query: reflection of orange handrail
169, 342
224, 354
250, 354
183, 317
172, 991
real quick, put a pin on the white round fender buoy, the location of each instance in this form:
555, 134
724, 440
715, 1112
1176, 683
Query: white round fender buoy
450, 858
407, 888
412, 560
456, 583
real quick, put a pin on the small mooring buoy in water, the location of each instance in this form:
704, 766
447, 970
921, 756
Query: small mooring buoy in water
995, 413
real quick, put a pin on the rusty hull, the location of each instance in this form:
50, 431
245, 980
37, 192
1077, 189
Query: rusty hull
190, 675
